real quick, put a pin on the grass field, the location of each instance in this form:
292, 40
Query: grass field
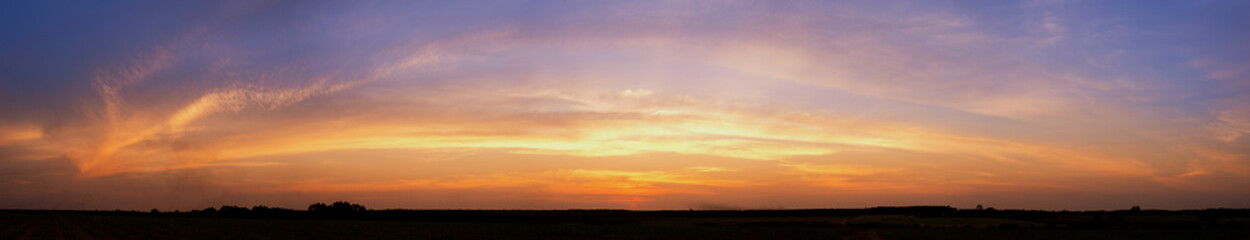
86, 225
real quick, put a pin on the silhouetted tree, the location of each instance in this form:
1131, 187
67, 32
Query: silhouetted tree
262, 209
979, 207
347, 207
232, 210
337, 208
318, 207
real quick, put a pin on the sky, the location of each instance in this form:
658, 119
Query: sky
625, 104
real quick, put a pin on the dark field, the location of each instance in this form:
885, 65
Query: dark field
612, 224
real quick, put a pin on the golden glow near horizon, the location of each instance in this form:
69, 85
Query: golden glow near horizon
627, 105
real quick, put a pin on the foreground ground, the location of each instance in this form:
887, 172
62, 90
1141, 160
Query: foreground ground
568, 225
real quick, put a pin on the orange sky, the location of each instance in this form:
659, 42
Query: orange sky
633, 105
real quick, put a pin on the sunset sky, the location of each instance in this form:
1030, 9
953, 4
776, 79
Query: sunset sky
625, 104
